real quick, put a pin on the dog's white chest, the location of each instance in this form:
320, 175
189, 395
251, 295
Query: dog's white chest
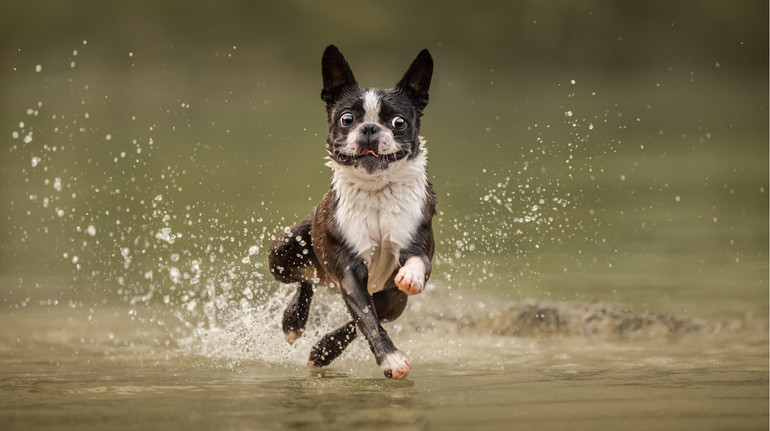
379, 216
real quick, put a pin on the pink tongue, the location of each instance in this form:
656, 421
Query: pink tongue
368, 152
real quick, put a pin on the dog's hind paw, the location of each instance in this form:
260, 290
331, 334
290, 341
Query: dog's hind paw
292, 336
396, 365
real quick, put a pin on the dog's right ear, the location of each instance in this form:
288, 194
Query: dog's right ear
337, 75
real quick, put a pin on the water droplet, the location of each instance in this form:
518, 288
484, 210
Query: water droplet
165, 235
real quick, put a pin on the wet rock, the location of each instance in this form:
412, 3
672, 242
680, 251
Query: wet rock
469, 314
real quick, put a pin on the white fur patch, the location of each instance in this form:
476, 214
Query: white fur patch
378, 214
371, 107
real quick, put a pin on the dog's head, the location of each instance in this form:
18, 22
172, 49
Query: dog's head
370, 129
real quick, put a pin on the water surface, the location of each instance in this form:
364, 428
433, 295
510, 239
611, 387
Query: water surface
72, 369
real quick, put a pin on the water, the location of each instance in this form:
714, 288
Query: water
128, 372
602, 235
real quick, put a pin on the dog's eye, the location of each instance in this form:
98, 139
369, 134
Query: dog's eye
398, 123
346, 119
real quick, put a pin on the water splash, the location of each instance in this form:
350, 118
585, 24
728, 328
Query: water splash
123, 224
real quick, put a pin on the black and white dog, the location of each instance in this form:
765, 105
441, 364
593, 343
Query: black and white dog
371, 235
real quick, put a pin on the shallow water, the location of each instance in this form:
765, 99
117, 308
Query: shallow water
107, 368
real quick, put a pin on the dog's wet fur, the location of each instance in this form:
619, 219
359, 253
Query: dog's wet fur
371, 235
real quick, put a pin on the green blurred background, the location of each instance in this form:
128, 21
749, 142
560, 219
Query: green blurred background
589, 150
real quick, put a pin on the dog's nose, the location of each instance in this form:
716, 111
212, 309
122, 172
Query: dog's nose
370, 129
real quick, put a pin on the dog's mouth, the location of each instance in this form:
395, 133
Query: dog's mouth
371, 155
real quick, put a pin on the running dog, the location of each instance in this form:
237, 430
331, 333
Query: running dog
371, 236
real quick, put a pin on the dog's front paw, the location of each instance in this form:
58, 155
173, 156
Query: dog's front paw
411, 276
396, 365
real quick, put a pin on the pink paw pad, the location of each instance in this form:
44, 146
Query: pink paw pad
396, 365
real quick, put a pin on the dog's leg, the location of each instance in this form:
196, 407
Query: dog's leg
360, 304
292, 260
331, 345
415, 261
389, 303
295, 315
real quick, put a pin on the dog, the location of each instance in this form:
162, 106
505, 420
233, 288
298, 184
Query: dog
371, 236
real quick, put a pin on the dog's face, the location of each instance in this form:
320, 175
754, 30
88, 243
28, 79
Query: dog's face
370, 129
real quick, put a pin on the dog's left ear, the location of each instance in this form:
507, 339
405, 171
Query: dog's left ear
416, 80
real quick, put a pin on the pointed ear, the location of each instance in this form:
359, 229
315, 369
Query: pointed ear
416, 81
337, 75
